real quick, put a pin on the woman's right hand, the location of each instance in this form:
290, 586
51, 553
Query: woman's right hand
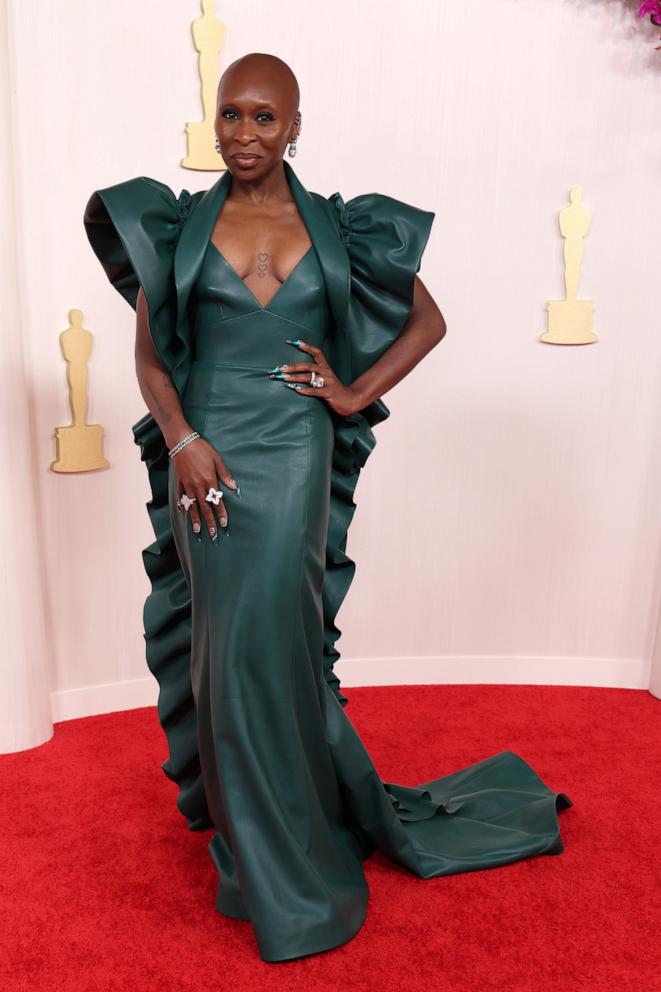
198, 467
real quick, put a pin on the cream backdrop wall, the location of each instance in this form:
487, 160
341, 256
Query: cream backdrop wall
517, 536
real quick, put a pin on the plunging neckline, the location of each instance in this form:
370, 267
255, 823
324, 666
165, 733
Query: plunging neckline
247, 287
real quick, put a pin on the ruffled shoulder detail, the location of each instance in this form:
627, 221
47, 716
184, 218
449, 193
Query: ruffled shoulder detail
133, 228
384, 239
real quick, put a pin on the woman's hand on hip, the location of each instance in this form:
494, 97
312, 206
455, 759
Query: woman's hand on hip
297, 375
198, 466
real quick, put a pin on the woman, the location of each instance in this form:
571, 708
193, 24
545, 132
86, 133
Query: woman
270, 321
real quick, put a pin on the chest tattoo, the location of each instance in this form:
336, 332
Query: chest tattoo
262, 263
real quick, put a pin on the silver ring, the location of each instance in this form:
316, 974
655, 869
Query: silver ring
186, 502
214, 496
316, 380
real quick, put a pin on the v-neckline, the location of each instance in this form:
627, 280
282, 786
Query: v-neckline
247, 287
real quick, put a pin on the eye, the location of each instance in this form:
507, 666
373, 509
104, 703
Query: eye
264, 116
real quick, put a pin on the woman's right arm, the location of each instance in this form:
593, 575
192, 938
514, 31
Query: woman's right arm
198, 465
156, 386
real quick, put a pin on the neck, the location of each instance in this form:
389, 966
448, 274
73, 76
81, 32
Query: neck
271, 186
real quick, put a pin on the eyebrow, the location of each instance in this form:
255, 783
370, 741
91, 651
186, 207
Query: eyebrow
261, 105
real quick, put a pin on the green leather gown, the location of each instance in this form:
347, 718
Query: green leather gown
241, 633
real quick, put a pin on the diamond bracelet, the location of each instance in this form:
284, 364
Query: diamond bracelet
181, 444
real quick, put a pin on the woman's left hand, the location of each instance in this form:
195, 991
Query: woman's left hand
343, 399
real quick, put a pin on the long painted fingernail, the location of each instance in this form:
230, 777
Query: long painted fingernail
292, 385
279, 375
223, 521
196, 528
290, 341
276, 368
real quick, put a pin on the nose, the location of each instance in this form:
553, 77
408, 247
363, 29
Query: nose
244, 133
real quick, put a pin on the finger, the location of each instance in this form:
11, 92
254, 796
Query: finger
180, 492
222, 513
194, 514
296, 367
305, 375
305, 370
317, 353
224, 474
306, 391
220, 508
304, 346
207, 512
297, 377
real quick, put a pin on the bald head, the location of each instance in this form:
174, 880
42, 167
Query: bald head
260, 75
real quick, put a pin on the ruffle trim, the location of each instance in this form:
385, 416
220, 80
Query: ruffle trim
354, 442
183, 207
411, 803
167, 634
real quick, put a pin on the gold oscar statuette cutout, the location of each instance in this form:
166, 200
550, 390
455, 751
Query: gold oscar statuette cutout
79, 445
570, 320
208, 37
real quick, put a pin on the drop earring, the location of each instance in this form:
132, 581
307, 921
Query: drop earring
217, 145
292, 144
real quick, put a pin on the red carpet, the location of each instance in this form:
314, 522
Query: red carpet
105, 888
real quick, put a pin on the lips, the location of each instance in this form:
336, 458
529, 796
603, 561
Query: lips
245, 157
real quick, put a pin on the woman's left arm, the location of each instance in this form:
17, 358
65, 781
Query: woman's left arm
423, 330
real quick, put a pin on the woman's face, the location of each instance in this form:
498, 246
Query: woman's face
254, 122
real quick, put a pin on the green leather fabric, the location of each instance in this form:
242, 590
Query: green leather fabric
241, 633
